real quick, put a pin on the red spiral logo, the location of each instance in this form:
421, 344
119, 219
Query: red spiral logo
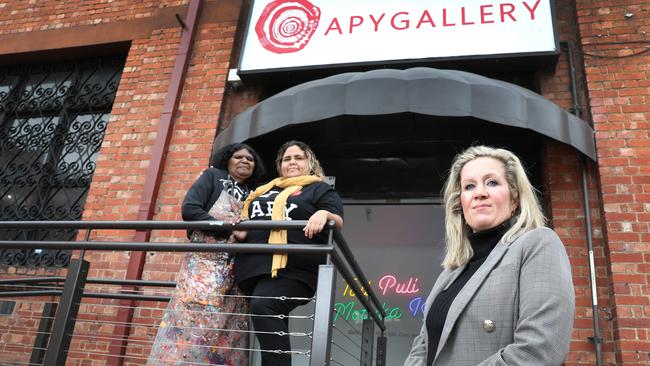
287, 25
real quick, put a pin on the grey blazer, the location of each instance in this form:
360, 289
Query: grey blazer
517, 309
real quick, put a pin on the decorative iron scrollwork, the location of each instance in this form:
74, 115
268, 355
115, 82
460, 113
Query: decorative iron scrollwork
52, 123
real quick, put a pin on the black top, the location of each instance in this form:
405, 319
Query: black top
482, 244
204, 193
300, 206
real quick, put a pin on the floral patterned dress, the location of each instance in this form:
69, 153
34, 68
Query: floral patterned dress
206, 320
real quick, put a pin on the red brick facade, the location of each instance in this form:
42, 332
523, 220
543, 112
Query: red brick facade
614, 40
610, 43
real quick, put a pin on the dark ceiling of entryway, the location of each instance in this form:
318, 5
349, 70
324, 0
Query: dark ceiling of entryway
404, 155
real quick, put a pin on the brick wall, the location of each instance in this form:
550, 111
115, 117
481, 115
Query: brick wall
119, 178
130, 136
615, 45
567, 215
565, 198
39, 15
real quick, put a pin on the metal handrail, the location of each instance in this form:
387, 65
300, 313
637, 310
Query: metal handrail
155, 225
337, 251
340, 256
345, 248
169, 247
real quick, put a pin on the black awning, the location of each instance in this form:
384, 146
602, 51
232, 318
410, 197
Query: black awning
420, 90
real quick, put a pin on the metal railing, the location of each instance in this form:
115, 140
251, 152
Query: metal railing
51, 347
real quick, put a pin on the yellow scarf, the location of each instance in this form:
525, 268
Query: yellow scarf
290, 186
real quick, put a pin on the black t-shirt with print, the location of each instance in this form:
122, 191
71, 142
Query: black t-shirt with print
300, 206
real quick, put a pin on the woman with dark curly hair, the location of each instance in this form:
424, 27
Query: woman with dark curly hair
236, 167
206, 299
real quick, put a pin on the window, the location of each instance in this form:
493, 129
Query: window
7, 307
52, 123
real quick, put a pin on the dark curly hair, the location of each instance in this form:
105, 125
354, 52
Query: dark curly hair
220, 159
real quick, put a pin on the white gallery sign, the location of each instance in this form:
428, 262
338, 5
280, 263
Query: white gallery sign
302, 33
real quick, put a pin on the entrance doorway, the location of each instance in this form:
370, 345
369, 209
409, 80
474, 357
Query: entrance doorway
400, 248
399, 156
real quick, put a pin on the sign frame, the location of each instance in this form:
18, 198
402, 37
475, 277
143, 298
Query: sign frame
518, 60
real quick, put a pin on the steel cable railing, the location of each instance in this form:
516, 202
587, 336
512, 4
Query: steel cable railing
138, 290
346, 339
96, 337
345, 351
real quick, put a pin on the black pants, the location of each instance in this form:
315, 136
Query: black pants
267, 286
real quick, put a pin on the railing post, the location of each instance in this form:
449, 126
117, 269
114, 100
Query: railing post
43, 335
367, 341
381, 350
57, 349
322, 334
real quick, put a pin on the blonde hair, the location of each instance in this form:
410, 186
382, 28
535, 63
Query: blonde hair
313, 165
527, 215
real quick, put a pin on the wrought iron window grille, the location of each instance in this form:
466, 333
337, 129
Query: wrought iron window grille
52, 122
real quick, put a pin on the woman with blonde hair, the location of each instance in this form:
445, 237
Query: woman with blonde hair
505, 296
